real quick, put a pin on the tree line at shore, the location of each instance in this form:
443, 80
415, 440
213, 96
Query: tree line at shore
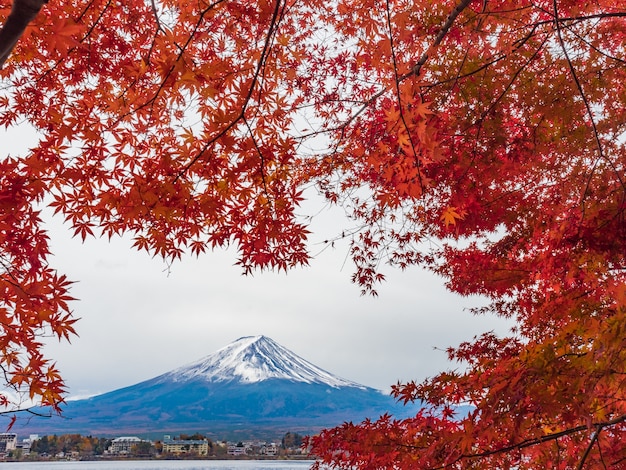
77, 446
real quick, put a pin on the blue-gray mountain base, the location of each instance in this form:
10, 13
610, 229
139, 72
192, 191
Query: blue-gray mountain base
251, 388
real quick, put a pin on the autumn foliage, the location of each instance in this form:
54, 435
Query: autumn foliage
483, 140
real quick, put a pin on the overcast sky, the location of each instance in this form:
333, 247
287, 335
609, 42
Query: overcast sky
138, 319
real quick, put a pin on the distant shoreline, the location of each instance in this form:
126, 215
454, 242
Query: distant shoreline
118, 458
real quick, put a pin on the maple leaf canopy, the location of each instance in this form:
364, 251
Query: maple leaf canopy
483, 140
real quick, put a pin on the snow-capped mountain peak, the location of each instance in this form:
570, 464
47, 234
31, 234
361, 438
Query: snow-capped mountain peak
255, 359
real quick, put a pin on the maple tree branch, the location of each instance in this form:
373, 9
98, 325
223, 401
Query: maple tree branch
14, 281
82, 40
159, 29
22, 13
273, 26
30, 410
555, 436
416, 69
539, 440
593, 440
509, 85
598, 50
399, 97
181, 51
155, 12
581, 18
596, 133
262, 158
518, 45
439, 38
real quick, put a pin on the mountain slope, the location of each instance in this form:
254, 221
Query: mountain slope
253, 385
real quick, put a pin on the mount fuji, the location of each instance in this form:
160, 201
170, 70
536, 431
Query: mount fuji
253, 387
254, 359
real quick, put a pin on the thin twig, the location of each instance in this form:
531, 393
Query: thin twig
593, 440
399, 98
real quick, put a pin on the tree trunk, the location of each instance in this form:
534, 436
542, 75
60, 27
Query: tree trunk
22, 13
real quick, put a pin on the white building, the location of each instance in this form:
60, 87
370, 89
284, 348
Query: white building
236, 449
8, 442
269, 449
124, 444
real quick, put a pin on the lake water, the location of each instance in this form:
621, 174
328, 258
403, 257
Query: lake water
162, 465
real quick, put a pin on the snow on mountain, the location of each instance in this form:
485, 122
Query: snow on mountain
255, 359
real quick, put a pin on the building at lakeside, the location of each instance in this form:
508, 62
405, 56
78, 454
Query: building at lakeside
8, 442
26, 443
237, 449
185, 446
124, 445
269, 449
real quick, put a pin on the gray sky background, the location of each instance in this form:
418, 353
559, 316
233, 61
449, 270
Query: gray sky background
139, 319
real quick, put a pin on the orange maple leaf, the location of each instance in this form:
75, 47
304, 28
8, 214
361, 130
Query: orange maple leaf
451, 214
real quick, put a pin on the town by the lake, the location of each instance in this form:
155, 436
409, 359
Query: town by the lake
182, 446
